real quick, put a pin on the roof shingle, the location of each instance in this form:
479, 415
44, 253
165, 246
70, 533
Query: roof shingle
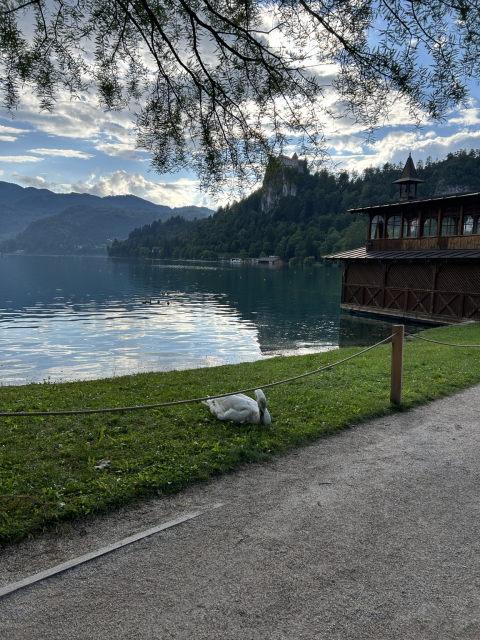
435, 254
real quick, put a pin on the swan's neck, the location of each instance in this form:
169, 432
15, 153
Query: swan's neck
262, 414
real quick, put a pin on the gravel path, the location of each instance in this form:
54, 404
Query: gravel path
369, 534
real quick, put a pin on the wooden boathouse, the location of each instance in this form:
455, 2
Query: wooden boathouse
421, 260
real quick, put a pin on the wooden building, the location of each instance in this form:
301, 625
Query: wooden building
421, 259
276, 260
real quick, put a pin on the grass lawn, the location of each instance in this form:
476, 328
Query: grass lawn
47, 473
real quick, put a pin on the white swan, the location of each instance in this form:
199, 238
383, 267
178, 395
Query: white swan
241, 408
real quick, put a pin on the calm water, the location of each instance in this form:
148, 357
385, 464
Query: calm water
70, 318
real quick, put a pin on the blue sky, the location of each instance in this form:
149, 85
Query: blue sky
83, 149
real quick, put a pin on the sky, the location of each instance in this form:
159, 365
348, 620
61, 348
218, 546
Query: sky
81, 148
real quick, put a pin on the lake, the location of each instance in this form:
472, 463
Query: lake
76, 318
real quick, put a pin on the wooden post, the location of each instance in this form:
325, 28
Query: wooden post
397, 365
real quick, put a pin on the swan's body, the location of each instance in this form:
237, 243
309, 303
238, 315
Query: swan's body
241, 408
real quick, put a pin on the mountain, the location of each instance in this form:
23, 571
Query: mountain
298, 227
81, 229
11, 193
19, 207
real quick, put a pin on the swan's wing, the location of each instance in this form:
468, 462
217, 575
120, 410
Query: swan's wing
247, 414
237, 402
237, 408
241, 397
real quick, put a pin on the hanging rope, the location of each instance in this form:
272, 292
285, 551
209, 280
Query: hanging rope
448, 344
24, 414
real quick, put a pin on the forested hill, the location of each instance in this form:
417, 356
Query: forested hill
20, 206
81, 229
307, 226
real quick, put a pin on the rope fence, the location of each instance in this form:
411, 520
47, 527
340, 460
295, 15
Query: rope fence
398, 339
24, 414
448, 344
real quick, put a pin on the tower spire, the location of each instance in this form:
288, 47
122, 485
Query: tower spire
408, 178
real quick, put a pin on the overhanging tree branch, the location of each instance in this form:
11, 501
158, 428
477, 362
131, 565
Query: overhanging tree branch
219, 85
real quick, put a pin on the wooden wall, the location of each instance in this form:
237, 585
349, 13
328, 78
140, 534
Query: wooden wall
436, 290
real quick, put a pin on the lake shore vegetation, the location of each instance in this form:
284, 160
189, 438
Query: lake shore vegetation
47, 464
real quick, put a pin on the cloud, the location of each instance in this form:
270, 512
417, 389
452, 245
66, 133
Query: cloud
347, 143
81, 119
5, 129
20, 159
122, 150
110, 138
30, 181
6, 133
64, 153
416, 142
181, 193
467, 117
396, 144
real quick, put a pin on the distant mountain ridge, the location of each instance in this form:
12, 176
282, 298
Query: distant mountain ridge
11, 193
22, 206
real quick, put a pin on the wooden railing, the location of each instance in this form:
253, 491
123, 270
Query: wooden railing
424, 243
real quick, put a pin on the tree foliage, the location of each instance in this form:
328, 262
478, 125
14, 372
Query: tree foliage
221, 85
311, 224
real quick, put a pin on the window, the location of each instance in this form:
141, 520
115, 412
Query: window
471, 220
449, 226
468, 225
450, 219
393, 227
429, 225
377, 227
410, 227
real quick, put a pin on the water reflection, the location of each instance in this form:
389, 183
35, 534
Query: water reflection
362, 331
73, 318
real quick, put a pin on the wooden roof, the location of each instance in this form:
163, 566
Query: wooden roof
403, 203
409, 173
436, 254
269, 259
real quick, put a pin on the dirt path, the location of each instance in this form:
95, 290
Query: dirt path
370, 534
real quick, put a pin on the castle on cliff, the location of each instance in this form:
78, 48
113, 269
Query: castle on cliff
279, 179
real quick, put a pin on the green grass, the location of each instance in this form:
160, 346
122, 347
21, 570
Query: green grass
47, 473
